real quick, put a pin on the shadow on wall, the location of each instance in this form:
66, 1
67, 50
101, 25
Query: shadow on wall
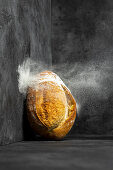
28, 133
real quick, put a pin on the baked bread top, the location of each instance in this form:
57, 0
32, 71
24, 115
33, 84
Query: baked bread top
51, 106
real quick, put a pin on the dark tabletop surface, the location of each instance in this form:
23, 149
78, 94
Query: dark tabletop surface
76, 154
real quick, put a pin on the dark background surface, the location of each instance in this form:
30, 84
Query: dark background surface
24, 32
63, 155
82, 54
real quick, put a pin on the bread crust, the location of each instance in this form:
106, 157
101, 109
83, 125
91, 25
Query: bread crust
51, 108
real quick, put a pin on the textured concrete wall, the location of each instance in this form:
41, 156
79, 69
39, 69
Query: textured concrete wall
81, 52
82, 49
24, 32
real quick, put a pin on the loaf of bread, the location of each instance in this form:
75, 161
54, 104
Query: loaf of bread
51, 108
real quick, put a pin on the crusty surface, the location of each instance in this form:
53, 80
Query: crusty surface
51, 104
51, 108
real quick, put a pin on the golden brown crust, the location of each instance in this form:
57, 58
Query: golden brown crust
51, 104
51, 109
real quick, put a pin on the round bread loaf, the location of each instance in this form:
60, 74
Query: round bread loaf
51, 107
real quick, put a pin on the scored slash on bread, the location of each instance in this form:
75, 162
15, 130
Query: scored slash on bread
51, 108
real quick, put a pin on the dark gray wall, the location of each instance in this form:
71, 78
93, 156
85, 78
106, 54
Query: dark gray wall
82, 50
25, 27
82, 55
